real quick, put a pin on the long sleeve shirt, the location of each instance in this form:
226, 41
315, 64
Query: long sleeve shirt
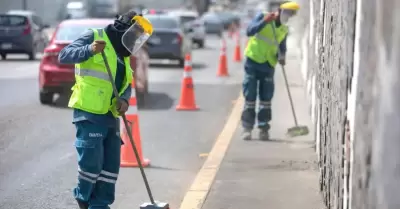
255, 26
80, 51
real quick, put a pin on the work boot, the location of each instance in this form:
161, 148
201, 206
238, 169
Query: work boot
246, 134
264, 135
82, 204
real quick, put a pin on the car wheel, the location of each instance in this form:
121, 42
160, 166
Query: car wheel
32, 54
201, 44
182, 62
141, 98
3, 56
46, 98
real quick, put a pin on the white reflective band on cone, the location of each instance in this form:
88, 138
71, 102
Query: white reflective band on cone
187, 74
188, 63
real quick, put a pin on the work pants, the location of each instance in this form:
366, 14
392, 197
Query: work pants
98, 150
261, 84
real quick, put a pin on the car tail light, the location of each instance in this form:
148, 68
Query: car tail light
27, 29
178, 39
50, 55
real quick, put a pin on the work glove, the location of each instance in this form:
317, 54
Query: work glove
97, 46
270, 17
122, 106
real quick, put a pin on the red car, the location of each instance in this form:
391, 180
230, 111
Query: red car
57, 78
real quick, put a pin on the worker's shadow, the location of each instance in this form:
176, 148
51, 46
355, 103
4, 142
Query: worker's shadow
153, 101
61, 101
156, 101
195, 66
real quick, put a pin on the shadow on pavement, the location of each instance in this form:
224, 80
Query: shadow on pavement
154, 101
157, 101
61, 101
289, 141
195, 66
206, 48
19, 60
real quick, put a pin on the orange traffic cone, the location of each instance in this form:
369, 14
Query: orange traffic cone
187, 100
128, 158
223, 65
237, 55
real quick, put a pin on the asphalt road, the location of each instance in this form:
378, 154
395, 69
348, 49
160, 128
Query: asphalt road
37, 159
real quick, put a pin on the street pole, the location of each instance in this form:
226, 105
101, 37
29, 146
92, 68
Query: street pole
25, 4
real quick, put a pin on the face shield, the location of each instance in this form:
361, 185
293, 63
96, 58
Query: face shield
137, 34
286, 14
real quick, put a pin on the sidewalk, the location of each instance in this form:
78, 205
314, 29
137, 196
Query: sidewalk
278, 174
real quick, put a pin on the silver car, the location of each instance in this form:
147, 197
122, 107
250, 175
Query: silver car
191, 20
170, 40
213, 24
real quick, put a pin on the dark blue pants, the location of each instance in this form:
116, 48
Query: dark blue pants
98, 150
261, 84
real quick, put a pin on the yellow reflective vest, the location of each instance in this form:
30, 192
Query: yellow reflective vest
93, 90
262, 47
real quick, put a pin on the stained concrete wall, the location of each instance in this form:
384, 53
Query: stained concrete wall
351, 71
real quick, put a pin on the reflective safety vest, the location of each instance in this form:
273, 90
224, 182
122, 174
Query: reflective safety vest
262, 47
93, 90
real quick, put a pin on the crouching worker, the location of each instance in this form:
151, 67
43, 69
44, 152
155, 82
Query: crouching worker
96, 110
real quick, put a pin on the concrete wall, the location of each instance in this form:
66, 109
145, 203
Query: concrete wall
351, 71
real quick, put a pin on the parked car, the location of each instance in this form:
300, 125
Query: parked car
153, 11
228, 18
76, 10
213, 24
55, 77
191, 19
22, 32
170, 40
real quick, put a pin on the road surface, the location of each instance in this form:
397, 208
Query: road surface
37, 157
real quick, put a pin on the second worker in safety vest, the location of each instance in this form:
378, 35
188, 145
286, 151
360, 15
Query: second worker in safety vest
266, 47
96, 110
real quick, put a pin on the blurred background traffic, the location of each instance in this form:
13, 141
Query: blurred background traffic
41, 28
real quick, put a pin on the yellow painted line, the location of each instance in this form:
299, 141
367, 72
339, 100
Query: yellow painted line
198, 191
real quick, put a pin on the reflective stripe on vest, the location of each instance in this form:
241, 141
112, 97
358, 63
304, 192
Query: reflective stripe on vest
92, 73
265, 39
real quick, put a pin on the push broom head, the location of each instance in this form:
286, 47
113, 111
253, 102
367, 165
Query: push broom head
298, 131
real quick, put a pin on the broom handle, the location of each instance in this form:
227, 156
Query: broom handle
128, 130
285, 77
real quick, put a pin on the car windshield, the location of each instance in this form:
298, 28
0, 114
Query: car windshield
72, 32
76, 13
163, 22
210, 16
12, 20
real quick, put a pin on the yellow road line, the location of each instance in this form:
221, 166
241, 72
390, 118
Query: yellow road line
197, 194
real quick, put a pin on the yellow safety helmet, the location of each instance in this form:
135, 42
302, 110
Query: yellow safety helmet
290, 5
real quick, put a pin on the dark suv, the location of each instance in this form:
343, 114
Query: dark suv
21, 32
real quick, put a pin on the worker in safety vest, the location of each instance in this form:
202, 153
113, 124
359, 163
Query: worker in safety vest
265, 48
96, 110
